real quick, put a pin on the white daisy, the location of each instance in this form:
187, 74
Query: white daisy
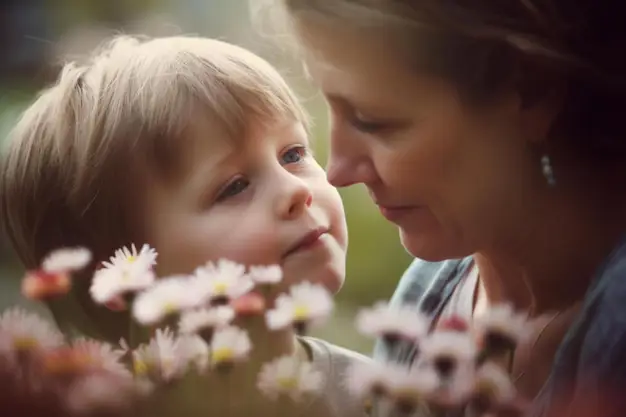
100, 391
101, 356
66, 260
222, 281
197, 320
26, 331
290, 377
167, 296
127, 271
160, 359
266, 275
494, 385
307, 304
128, 258
409, 388
501, 328
447, 351
122, 348
454, 389
365, 379
392, 322
109, 284
229, 345
195, 351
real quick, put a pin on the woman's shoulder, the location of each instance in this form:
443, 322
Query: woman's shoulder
592, 357
426, 285
604, 311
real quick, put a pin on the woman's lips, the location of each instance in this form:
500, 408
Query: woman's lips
395, 214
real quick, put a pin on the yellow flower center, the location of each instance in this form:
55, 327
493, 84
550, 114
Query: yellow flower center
131, 259
140, 367
407, 394
25, 343
301, 313
222, 355
368, 405
486, 388
220, 288
169, 308
288, 383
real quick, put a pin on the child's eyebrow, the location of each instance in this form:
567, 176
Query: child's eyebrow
203, 175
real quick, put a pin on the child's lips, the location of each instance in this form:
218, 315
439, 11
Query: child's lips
308, 241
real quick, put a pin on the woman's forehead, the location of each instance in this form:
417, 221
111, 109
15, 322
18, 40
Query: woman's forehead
370, 78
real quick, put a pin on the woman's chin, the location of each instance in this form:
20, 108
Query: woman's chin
432, 247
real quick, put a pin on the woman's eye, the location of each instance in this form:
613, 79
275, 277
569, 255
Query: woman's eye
294, 155
367, 126
234, 188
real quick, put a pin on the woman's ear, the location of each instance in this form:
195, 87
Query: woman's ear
541, 95
541, 117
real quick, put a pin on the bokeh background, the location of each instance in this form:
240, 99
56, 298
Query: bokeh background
36, 36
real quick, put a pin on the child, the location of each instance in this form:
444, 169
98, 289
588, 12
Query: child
198, 148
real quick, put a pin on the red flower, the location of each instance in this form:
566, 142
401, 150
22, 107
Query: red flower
39, 284
250, 304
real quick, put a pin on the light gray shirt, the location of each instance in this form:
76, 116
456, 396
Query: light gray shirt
334, 361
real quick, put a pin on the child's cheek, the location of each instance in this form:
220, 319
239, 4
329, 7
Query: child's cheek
254, 246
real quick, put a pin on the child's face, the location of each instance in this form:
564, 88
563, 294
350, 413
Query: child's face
253, 202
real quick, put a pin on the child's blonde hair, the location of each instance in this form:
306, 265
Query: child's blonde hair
70, 172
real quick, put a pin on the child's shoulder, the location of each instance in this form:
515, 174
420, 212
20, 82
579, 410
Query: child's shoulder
329, 355
334, 362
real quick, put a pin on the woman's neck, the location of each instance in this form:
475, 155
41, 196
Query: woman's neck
553, 257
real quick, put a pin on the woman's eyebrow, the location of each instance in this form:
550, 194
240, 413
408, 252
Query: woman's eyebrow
353, 105
348, 102
338, 99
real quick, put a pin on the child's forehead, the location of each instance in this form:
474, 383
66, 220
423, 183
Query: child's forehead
209, 143
215, 136
207, 140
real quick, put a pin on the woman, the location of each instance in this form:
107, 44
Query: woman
491, 134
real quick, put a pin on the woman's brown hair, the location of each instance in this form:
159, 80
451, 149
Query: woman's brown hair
535, 46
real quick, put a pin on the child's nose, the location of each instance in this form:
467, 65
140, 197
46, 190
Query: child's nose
295, 199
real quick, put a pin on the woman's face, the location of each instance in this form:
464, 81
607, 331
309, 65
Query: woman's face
454, 177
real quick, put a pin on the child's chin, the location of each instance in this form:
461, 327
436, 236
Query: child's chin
336, 283
330, 276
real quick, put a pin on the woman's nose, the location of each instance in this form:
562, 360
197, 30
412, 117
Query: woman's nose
349, 162
343, 172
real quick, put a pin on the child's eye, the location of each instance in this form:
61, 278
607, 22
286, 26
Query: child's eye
294, 155
235, 187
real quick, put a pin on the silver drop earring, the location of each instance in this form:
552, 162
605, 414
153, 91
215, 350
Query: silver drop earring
546, 169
